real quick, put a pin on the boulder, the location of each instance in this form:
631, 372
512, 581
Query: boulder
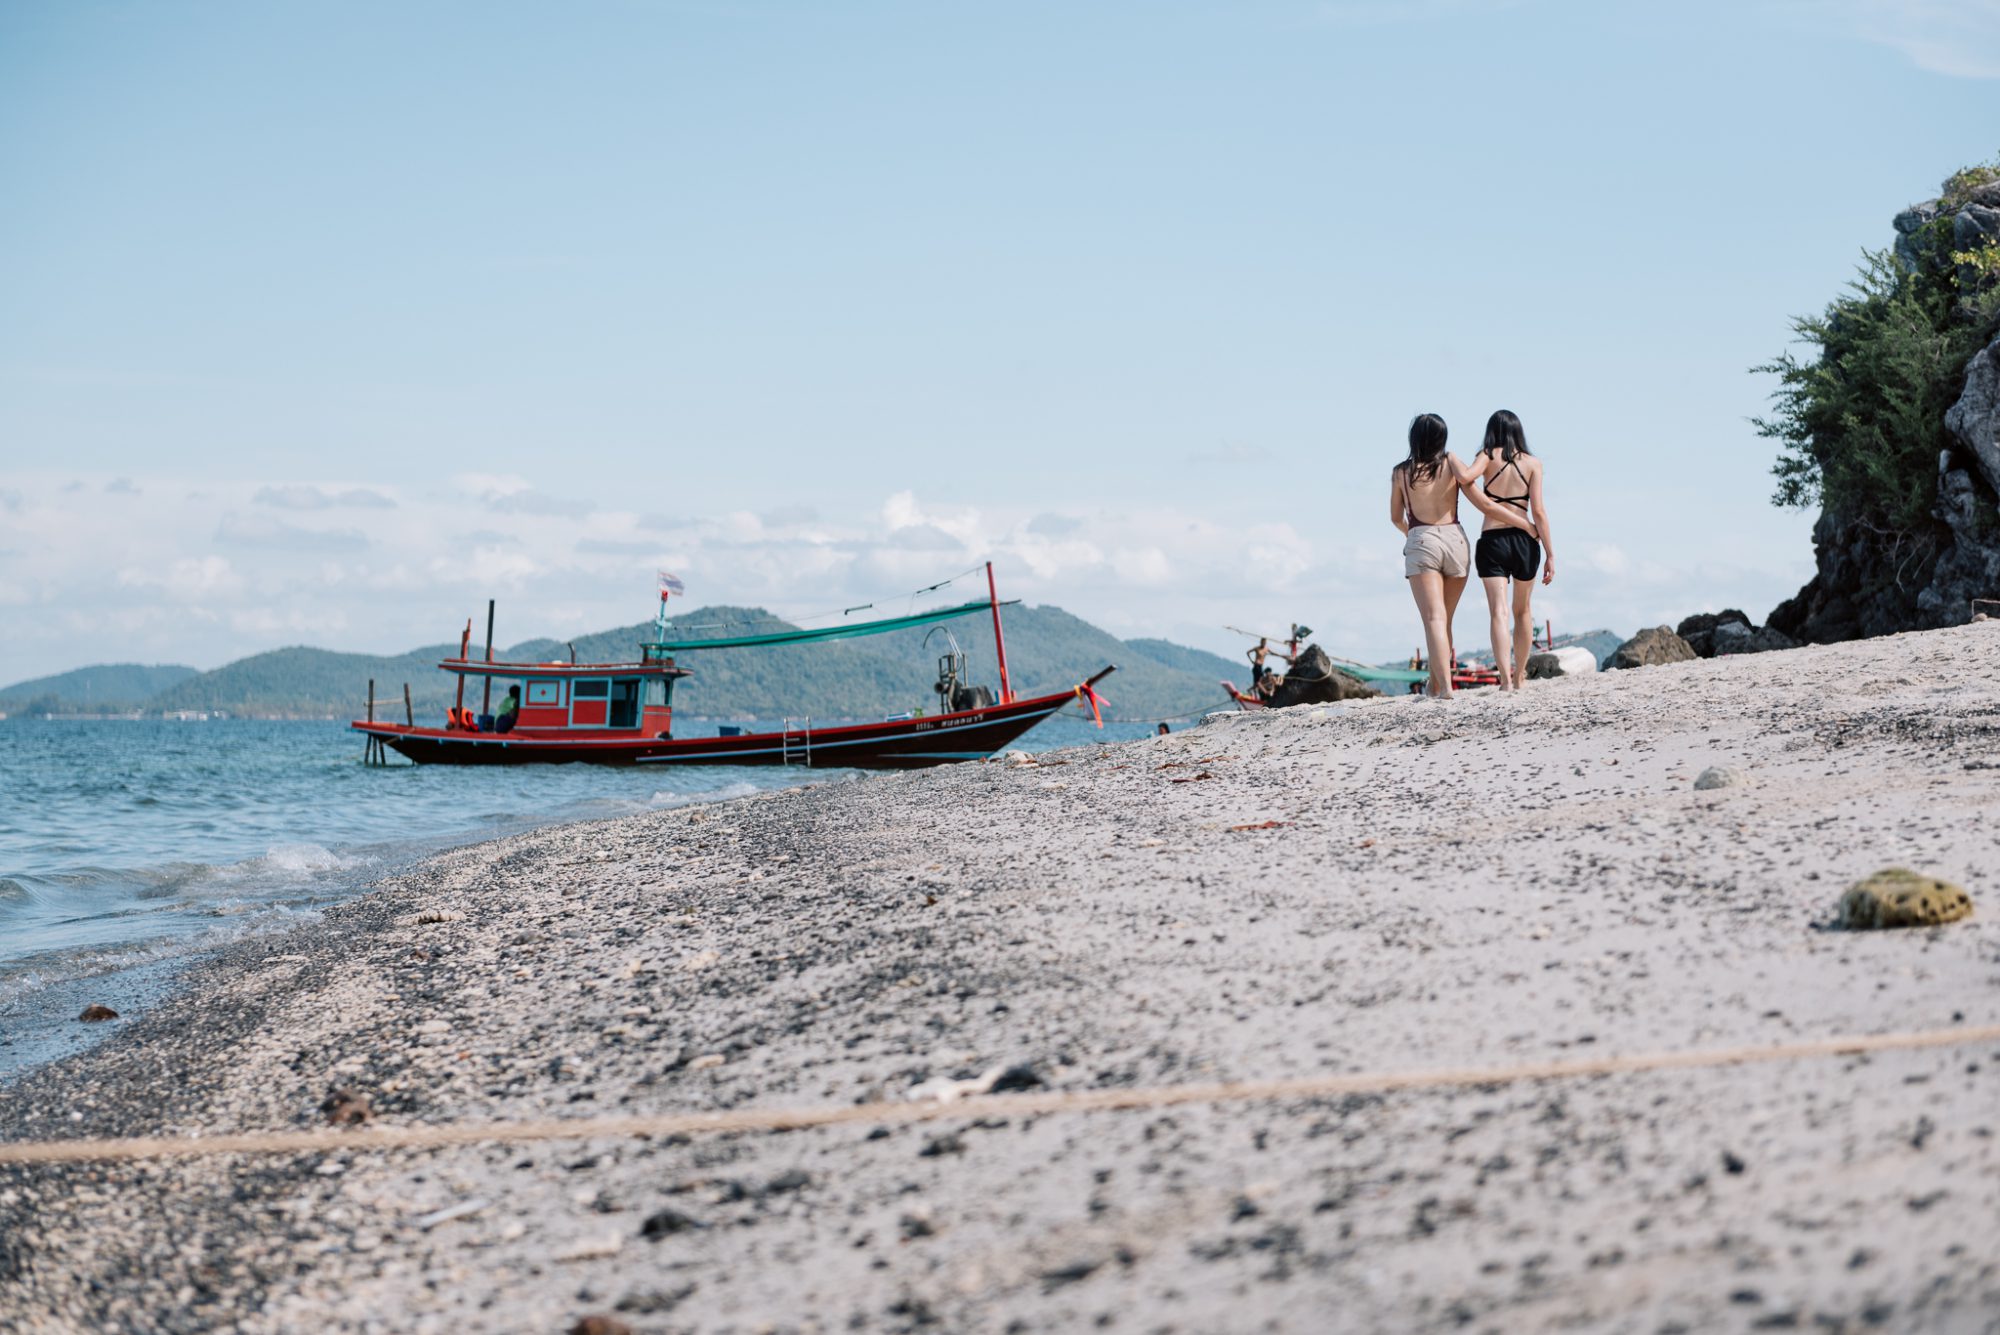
1975, 226
1649, 648
1969, 566
1975, 418
1898, 897
1910, 225
1731, 638
1699, 629
1572, 660
1314, 680
1720, 776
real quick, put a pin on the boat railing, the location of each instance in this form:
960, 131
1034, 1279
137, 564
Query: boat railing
797, 741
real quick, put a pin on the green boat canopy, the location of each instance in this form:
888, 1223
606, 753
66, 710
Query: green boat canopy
797, 636
1367, 673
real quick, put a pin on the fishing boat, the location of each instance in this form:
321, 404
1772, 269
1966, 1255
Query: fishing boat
622, 713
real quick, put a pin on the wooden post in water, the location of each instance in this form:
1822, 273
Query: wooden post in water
486, 704
409, 713
371, 699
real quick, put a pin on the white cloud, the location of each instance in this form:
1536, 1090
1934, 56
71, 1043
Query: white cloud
187, 577
214, 576
306, 497
1959, 38
490, 486
241, 530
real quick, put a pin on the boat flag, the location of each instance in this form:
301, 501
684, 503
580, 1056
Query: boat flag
670, 584
1087, 695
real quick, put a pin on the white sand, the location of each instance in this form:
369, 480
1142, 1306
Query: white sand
1490, 880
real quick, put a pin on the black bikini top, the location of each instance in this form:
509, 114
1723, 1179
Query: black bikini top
1522, 499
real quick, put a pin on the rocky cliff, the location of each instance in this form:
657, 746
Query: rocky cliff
1875, 579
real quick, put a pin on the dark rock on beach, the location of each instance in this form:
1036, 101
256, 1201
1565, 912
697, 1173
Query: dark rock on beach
93, 1014
1314, 680
1650, 648
1736, 638
1544, 667
1699, 629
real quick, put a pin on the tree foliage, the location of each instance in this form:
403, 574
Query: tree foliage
1860, 421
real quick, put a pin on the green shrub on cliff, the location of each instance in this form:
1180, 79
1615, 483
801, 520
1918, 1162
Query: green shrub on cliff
1861, 424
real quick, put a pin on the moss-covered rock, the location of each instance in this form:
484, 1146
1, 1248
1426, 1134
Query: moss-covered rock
1898, 897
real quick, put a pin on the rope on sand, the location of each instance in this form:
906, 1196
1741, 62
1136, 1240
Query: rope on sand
982, 1105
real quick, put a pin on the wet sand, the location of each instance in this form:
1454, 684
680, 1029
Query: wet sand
1493, 880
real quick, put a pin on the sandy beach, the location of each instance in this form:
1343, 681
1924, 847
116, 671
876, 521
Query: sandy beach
1496, 880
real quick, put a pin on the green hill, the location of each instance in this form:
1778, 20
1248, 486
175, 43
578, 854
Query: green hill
313, 683
107, 688
1047, 650
1198, 661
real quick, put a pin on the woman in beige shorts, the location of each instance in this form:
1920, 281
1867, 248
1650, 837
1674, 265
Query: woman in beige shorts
1423, 505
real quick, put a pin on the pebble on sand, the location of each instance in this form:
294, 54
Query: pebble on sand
1898, 897
92, 1014
1720, 776
600, 1325
346, 1107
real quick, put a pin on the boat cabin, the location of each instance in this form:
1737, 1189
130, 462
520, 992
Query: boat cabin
577, 698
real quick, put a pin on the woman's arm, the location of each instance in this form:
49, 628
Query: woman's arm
1467, 474
1398, 515
1542, 524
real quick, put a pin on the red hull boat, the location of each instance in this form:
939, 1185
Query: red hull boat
622, 713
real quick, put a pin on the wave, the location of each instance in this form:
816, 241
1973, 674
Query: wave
21, 978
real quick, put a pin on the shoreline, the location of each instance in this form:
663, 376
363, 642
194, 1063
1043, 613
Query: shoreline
1486, 882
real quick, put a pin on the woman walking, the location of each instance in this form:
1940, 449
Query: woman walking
1423, 505
1513, 543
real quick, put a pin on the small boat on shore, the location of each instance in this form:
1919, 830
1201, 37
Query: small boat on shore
622, 713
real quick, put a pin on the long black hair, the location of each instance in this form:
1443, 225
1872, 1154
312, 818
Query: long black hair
1427, 437
1504, 437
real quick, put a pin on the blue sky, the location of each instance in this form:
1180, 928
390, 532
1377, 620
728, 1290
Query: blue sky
322, 322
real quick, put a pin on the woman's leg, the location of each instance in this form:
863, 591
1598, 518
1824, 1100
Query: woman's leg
1427, 587
1503, 639
1524, 629
1454, 589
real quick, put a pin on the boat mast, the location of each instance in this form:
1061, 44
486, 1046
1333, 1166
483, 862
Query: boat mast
999, 639
487, 707
464, 648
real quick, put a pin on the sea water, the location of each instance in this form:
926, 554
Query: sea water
128, 847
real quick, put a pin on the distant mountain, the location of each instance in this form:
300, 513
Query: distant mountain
1047, 650
1183, 659
111, 688
313, 683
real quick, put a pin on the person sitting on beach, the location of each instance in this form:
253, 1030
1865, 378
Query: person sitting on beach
510, 709
1423, 505
1513, 542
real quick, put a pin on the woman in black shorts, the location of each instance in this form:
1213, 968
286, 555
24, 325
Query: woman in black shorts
1513, 542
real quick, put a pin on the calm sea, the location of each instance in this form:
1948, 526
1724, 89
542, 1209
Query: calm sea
127, 847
